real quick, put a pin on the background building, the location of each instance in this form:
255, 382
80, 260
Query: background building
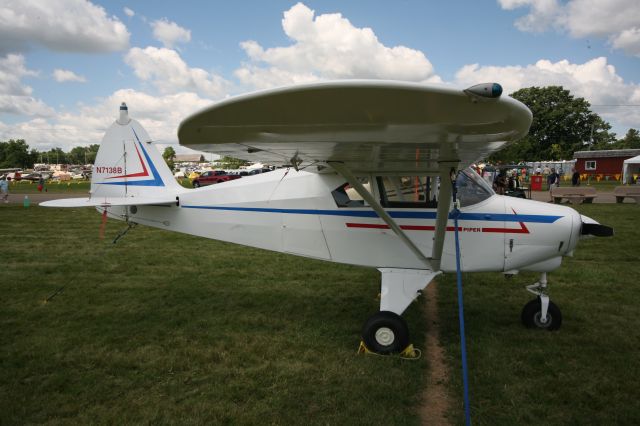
603, 164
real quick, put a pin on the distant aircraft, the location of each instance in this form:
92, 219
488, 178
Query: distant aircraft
370, 167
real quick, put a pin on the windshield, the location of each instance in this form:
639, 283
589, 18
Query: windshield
472, 189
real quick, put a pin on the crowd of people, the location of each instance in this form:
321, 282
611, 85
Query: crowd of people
509, 179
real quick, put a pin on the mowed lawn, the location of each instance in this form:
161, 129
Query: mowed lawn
168, 328
585, 373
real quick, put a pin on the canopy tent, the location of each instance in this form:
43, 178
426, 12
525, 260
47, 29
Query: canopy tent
630, 167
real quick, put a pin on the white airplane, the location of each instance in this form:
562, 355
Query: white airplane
367, 181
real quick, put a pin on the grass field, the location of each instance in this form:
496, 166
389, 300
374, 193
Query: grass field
167, 328
80, 187
585, 373
56, 187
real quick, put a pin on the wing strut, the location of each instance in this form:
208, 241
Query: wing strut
442, 216
375, 205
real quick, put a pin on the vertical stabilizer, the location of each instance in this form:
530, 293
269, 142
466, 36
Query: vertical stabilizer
129, 165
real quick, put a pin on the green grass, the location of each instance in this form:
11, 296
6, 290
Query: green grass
55, 187
73, 186
167, 328
585, 373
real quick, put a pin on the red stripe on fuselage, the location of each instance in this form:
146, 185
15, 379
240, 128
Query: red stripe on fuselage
522, 230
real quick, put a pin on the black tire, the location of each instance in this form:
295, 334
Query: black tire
533, 310
196, 184
385, 333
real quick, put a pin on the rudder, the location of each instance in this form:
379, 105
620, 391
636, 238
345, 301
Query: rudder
129, 165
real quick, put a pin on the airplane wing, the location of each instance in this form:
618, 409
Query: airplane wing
108, 202
369, 126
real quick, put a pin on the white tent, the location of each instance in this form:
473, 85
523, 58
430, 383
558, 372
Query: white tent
630, 167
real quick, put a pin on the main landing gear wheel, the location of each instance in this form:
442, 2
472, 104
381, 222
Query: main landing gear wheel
532, 316
385, 333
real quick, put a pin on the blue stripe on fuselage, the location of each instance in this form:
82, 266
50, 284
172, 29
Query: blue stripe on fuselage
488, 217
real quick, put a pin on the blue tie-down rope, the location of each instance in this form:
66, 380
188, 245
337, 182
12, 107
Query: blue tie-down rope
463, 346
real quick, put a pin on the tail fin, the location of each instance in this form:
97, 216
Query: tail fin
129, 165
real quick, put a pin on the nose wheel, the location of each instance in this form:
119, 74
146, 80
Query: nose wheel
532, 316
541, 313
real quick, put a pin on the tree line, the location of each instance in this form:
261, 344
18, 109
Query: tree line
562, 124
15, 153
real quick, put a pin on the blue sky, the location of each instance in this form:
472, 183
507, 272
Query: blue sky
65, 65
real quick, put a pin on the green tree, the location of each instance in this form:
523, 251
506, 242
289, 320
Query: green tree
92, 152
169, 155
601, 137
80, 155
55, 156
232, 163
15, 153
562, 124
630, 141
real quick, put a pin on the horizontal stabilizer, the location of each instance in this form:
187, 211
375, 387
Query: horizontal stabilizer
109, 201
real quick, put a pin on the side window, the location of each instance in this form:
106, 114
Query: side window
346, 196
408, 191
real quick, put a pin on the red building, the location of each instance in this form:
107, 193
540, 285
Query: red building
603, 163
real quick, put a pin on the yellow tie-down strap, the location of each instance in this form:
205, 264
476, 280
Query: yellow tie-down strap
409, 353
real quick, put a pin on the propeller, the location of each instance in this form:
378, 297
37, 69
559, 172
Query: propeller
591, 227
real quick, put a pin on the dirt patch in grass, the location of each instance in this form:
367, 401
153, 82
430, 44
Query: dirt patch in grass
435, 399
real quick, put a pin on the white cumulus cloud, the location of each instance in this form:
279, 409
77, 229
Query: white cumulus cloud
62, 25
15, 96
170, 33
159, 115
616, 20
62, 76
166, 70
130, 13
328, 46
595, 80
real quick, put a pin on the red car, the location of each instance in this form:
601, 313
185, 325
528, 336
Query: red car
211, 177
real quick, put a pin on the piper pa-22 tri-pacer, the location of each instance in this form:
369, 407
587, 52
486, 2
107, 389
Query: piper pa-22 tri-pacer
368, 173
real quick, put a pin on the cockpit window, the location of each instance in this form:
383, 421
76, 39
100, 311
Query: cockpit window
472, 189
346, 196
408, 191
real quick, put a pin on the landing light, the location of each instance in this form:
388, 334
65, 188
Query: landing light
486, 90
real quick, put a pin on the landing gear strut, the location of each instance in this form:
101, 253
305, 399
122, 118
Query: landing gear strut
541, 313
386, 332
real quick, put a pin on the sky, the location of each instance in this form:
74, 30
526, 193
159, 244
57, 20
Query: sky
66, 65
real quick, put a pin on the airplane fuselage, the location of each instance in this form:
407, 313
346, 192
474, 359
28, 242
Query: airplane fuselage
295, 212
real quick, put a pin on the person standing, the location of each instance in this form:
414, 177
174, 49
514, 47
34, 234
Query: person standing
4, 189
551, 179
500, 182
575, 178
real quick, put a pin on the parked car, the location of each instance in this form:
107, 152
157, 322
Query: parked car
258, 171
213, 176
